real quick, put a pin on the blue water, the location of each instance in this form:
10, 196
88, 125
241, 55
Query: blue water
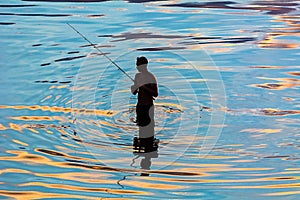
227, 114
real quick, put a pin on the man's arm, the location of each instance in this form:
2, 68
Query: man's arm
135, 87
133, 90
151, 88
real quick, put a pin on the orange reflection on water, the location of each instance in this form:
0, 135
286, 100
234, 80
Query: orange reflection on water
294, 73
20, 143
283, 83
85, 177
23, 195
237, 180
219, 157
62, 109
226, 169
277, 112
195, 169
16, 127
267, 67
293, 169
2, 128
33, 130
275, 44
11, 170
58, 86
202, 165
25, 157
282, 193
36, 159
220, 49
46, 98
257, 130
288, 185
33, 118
155, 185
242, 161
271, 42
85, 189
277, 86
275, 38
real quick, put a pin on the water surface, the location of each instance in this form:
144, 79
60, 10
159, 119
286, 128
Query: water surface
227, 114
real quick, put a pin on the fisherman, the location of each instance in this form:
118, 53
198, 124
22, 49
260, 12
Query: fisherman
145, 85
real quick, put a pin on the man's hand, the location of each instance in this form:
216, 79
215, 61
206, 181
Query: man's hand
134, 89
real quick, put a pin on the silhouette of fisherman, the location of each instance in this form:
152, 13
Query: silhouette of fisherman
145, 85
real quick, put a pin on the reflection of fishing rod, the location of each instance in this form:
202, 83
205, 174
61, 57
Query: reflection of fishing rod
101, 52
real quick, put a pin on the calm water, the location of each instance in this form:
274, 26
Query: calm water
227, 115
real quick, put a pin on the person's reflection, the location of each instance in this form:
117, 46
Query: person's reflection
146, 144
146, 161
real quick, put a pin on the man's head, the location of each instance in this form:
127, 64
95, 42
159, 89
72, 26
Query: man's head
141, 63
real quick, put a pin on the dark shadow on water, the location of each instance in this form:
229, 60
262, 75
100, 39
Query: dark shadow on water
69, 58
219, 40
46, 81
148, 35
270, 7
36, 15
16, 6
7, 23
160, 48
143, 1
90, 1
71, 1
216, 4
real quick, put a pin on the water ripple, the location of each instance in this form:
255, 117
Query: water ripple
56, 147
35, 15
272, 8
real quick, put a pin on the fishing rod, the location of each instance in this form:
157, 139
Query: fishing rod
104, 54
100, 51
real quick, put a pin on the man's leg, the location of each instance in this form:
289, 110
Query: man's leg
146, 128
143, 116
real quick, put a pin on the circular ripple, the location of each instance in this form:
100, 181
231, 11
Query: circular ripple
183, 88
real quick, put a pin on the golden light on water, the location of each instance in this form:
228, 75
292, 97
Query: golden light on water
54, 147
253, 130
61, 109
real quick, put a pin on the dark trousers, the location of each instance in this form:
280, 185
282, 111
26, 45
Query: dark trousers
145, 121
144, 114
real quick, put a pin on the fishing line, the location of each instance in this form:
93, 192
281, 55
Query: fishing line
100, 51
